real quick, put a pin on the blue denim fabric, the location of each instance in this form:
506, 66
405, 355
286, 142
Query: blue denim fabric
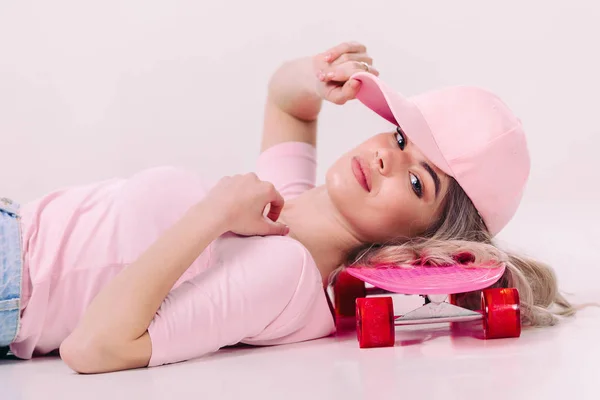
11, 268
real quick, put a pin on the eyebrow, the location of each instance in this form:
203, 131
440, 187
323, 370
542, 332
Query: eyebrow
434, 176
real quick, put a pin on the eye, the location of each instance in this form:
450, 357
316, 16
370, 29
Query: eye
400, 138
416, 185
415, 182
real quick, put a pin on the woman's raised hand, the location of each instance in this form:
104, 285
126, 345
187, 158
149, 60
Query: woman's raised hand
334, 67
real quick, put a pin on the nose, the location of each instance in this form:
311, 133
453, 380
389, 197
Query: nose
383, 159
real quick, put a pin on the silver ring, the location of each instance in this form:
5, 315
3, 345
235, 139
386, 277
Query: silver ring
366, 66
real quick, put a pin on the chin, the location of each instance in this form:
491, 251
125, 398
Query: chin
341, 184
345, 193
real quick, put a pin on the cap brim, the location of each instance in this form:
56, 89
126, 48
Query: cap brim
400, 111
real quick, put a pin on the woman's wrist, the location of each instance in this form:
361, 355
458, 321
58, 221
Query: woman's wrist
211, 220
293, 89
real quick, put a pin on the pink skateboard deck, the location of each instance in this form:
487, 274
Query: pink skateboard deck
428, 280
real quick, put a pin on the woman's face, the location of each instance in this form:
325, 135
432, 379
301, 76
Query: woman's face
385, 188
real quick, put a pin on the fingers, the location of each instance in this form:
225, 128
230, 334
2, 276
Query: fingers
246, 200
347, 47
346, 57
275, 228
336, 66
341, 94
276, 203
343, 72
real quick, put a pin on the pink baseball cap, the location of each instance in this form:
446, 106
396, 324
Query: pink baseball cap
468, 133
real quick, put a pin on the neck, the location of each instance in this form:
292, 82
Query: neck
315, 222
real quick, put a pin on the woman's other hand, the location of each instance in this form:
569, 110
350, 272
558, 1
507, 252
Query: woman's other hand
242, 200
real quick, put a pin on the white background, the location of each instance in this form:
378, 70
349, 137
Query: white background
92, 90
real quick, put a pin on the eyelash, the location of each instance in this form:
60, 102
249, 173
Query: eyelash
401, 134
415, 182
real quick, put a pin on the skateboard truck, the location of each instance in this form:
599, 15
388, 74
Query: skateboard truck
437, 310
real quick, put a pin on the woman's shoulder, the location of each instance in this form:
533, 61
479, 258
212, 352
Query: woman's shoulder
287, 249
272, 249
279, 258
285, 269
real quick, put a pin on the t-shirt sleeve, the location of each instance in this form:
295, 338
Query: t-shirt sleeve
290, 166
235, 299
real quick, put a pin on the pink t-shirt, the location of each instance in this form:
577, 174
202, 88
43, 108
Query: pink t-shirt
254, 290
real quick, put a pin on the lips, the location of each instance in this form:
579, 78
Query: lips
361, 173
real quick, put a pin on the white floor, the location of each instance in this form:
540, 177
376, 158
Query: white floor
561, 362
427, 363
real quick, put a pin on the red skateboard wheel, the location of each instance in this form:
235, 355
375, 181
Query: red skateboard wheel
346, 290
375, 322
501, 313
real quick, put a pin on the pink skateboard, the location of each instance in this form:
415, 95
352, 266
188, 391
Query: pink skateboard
375, 319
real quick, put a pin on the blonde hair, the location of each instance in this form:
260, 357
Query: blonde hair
460, 236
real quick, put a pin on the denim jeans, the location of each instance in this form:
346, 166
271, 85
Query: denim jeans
11, 269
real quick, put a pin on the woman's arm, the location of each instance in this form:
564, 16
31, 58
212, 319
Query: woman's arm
298, 87
292, 105
112, 334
